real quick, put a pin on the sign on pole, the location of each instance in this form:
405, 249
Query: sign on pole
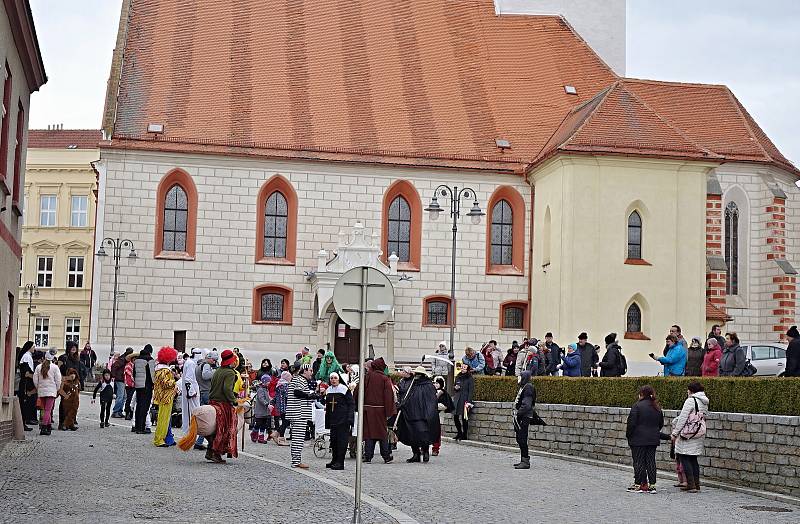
364, 299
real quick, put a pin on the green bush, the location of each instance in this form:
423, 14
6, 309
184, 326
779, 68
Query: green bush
769, 396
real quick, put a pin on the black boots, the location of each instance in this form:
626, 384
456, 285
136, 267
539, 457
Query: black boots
524, 463
425, 455
414, 458
45, 429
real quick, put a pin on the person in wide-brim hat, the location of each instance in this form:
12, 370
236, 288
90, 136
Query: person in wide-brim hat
420, 370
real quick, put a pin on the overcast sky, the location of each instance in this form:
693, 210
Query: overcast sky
753, 50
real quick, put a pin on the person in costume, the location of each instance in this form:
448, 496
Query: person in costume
444, 404
70, 393
464, 389
203, 375
223, 397
329, 365
26, 390
279, 401
298, 411
339, 418
164, 395
524, 404
418, 418
262, 428
378, 407
190, 389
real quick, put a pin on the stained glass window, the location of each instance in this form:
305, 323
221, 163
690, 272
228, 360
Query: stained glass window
399, 238
635, 236
732, 247
176, 217
272, 307
276, 220
634, 318
502, 234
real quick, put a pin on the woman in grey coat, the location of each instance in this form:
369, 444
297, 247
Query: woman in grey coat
733, 357
688, 449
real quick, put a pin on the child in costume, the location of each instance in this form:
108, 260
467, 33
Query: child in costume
329, 365
106, 389
164, 396
70, 393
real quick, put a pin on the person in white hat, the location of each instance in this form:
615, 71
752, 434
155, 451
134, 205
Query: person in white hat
190, 389
418, 418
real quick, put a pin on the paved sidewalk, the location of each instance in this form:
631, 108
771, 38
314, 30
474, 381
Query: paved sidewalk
112, 475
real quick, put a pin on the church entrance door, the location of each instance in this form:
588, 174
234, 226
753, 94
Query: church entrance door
346, 342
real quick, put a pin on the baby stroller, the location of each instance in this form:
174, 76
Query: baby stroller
322, 436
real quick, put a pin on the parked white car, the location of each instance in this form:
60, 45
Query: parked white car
769, 358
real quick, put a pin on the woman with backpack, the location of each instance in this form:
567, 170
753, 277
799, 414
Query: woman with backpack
688, 434
644, 435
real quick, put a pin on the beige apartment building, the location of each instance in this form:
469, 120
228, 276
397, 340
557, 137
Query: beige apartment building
58, 237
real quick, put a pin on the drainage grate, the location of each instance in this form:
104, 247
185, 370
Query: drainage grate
772, 509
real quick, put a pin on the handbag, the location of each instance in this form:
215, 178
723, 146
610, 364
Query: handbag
749, 369
536, 420
695, 426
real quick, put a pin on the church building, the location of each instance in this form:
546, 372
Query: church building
256, 151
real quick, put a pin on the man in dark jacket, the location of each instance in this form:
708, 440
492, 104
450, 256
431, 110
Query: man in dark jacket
589, 356
554, 357
611, 365
524, 405
143, 380
118, 374
793, 353
716, 332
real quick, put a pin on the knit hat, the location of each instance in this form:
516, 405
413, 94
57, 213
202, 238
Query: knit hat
265, 378
147, 350
213, 355
610, 338
167, 355
50, 357
286, 377
228, 357
583, 336
793, 332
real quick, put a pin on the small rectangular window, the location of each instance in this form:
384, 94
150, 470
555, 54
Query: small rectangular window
44, 272
47, 210
72, 330
41, 333
79, 211
272, 307
75, 272
513, 317
438, 313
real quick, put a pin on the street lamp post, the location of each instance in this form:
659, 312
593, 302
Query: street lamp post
31, 290
116, 244
475, 213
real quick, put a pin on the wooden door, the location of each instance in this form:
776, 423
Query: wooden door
179, 341
346, 348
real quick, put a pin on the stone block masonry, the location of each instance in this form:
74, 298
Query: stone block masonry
756, 451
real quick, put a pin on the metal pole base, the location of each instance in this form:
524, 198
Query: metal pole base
356, 516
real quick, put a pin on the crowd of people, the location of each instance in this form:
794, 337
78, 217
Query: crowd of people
167, 389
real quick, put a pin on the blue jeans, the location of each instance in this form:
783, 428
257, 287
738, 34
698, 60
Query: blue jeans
203, 402
119, 390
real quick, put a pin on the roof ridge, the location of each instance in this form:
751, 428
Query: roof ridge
672, 83
753, 136
675, 128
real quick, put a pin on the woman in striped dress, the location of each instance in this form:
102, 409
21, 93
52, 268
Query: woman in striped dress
298, 411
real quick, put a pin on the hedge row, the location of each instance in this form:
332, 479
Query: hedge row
769, 396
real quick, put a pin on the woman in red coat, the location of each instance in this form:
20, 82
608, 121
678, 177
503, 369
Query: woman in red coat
378, 407
711, 359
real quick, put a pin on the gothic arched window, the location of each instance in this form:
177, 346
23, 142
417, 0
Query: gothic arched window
732, 247
276, 222
633, 319
399, 238
176, 218
635, 236
502, 234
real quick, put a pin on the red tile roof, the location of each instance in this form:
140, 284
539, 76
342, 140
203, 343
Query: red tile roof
665, 119
417, 82
64, 138
715, 313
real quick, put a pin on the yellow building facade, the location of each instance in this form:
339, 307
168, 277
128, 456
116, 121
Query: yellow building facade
58, 238
582, 277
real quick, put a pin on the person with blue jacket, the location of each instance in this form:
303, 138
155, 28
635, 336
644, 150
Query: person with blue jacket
474, 360
675, 360
572, 362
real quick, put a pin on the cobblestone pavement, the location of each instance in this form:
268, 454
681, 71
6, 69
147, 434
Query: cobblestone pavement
111, 475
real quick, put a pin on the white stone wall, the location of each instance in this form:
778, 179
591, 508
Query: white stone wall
211, 297
752, 309
601, 24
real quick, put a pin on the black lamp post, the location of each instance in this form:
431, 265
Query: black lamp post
116, 244
475, 213
31, 290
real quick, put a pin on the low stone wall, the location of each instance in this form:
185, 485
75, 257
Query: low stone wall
757, 451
